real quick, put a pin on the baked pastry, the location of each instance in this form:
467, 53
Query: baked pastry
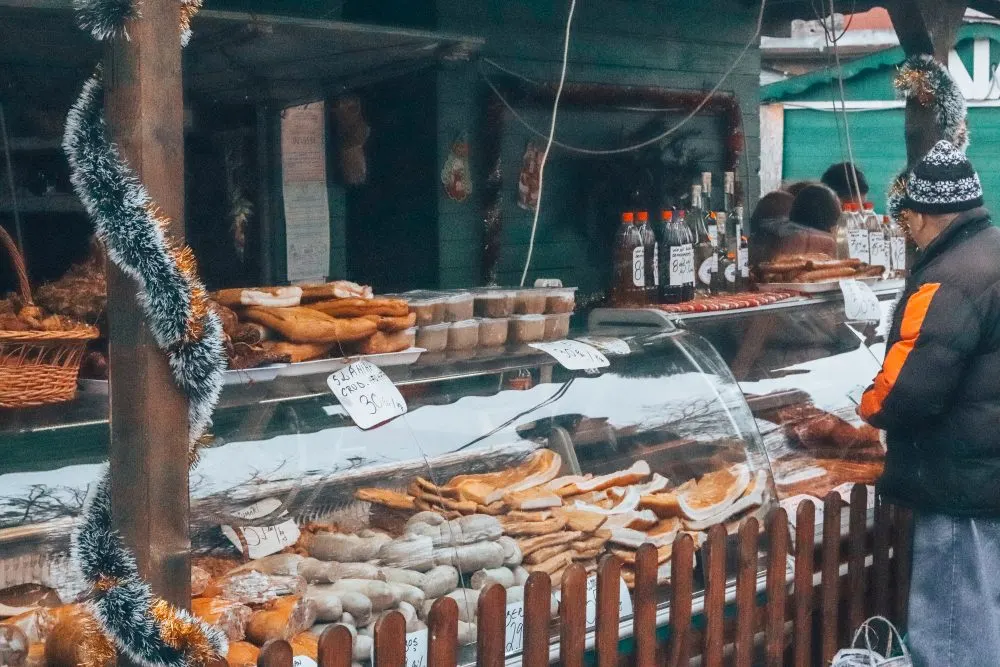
305, 325
296, 352
339, 289
274, 297
383, 343
356, 307
393, 324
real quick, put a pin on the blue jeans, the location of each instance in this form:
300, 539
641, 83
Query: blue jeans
954, 614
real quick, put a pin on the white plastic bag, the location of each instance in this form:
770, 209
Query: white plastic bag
867, 656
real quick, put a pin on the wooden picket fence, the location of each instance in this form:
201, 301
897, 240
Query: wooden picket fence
793, 621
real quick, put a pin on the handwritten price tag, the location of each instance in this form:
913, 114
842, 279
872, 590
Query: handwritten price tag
574, 355
615, 347
263, 540
860, 302
303, 661
857, 244
515, 628
624, 601
416, 648
681, 264
367, 394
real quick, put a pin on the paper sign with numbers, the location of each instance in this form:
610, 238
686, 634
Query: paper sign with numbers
860, 302
514, 636
303, 661
616, 347
624, 601
574, 355
416, 649
368, 395
263, 540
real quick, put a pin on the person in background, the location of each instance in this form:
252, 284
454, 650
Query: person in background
937, 397
796, 187
806, 228
841, 177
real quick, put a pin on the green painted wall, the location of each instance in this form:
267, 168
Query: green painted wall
673, 45
812, 144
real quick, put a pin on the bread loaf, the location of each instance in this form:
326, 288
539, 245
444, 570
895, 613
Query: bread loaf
305, 325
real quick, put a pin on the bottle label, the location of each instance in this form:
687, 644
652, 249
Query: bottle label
713, 235
638, 267
656, 264
857, 244
897, 247
877, 254
682, 264
708, 266
743, 262
731, 274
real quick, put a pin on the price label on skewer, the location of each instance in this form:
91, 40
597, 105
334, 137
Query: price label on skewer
368, 395
574, 355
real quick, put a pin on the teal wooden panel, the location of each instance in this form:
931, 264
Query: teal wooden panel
812, 144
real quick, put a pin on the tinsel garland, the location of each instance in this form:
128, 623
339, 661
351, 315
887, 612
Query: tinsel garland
894, 197
924, 79
146, 629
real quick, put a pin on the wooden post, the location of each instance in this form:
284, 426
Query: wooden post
929, 27
149, 425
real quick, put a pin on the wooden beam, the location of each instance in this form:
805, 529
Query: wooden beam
149, 425
925, 27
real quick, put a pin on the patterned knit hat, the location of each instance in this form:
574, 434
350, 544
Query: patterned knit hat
943, 182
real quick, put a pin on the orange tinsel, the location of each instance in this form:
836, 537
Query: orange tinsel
914, 83
182, 634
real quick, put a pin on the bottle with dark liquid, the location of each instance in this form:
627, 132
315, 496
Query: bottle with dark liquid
629, 283
676, 259
651, 254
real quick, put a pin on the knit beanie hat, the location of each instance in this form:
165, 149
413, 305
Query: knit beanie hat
943, 182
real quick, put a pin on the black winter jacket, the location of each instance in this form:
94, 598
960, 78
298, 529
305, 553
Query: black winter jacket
938, 393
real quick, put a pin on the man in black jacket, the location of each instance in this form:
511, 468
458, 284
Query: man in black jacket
938, 399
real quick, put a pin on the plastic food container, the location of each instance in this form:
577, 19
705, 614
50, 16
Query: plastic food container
410, 336
526, 329
560, 300
557, 326
463, 335
433, 337
429, 310
530, 301
494, 303
493, 332
458, 307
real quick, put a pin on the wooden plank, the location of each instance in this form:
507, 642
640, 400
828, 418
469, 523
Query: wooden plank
492, 626
805, 538
644, 606
608, 590
144, 108
829, 587
681, 591
715, 595
857, 534
880, 558
903, 561
390, 640
335, 647
573, 616
777, 567
746, 591
772, 146
276, 653
442, 633
537, 616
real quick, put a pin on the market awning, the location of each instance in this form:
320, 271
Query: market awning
233, 57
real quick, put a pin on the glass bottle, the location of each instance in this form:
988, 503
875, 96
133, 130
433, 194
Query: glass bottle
877, 249
857, 234
897, 248
628, 288
727, 267
676, 260
706, 191
743, 265
705, 260
651, 257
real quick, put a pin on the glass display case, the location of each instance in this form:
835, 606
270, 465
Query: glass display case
505, 463
803, 366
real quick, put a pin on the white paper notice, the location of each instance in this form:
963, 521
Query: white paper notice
857, 244
368, 395
860, 302
616, 347
263, 540
303, 661
303, 176
515, 628
624, 601
416, 649
574, 355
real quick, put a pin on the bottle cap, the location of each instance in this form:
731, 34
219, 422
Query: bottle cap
666, 214
682, 213
642, 216
712, 215
885, 219
869, 206
628, 218
731, 255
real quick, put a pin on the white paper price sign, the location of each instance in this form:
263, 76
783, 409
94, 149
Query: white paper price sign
515, 628
367, 394
303, 661
574, 355
263, 540
616, 347
860, 302
624, 601
416, 649
857, 244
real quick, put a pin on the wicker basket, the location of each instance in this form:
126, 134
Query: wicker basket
38, 367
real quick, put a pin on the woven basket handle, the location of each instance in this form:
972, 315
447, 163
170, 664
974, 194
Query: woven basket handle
24, 287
